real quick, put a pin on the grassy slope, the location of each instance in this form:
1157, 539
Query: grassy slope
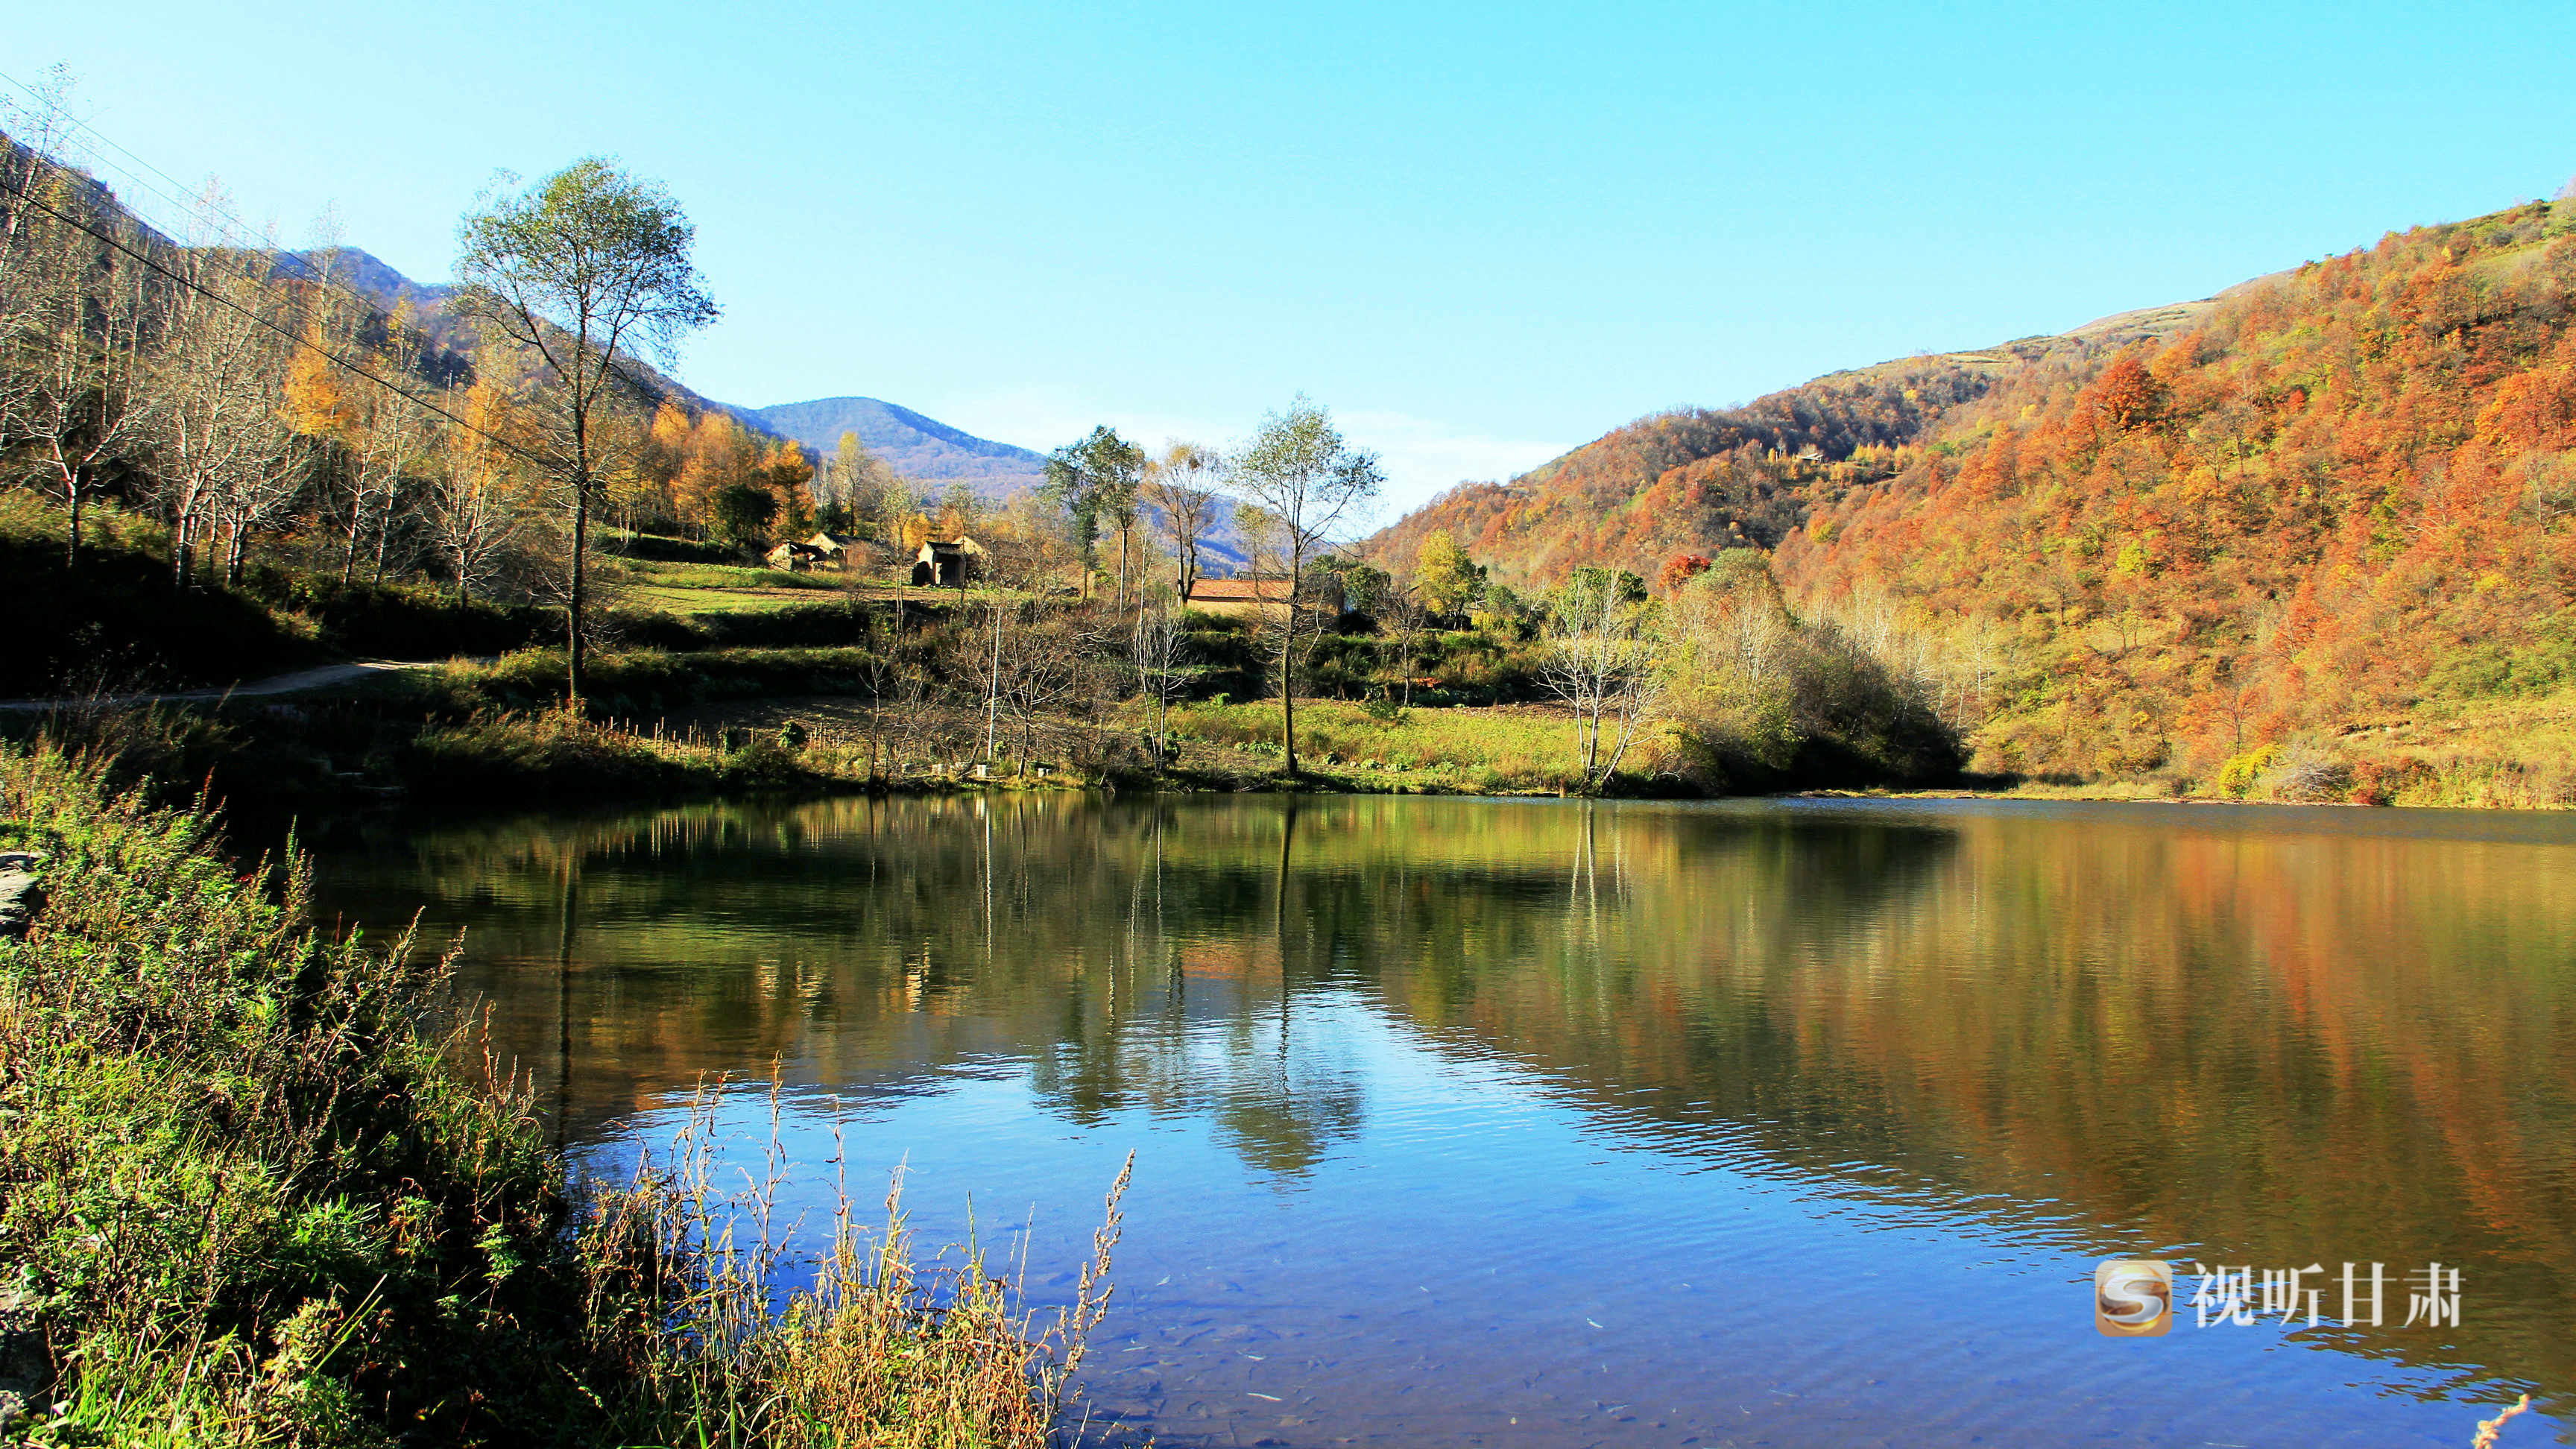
1497, 750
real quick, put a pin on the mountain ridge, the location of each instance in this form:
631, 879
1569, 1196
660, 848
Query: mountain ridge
914, 444
1628, 497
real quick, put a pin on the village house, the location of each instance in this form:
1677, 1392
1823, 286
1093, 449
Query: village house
796, 558
947, 562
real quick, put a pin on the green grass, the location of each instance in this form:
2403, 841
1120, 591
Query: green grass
688, 589
1516, 749
247, 1201
717, 576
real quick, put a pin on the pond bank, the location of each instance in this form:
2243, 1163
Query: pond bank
245, 1200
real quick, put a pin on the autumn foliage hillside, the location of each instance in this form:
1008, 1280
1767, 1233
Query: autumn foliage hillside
1697, 480
2321, 539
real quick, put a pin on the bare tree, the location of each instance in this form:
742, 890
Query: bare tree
1304, 484
578, 268
271, 474
1006, 563
378, 435
395, 445
72, 320
217, 440
1601, 664
1401, 620
1050, 665
1160, 654
37, 134
1180, 487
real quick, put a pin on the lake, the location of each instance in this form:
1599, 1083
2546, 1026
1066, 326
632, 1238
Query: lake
1553, 1123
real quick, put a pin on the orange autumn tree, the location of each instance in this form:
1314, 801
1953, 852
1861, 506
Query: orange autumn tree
684, 462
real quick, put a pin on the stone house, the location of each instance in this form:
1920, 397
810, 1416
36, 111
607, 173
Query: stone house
948, 562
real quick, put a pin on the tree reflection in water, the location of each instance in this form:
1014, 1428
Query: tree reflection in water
2252, 1037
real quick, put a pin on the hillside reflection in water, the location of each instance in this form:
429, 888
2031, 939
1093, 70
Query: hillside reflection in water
1501, 1122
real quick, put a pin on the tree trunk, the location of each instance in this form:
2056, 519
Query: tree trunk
1288, 678
357, 514
577, 596
77, 492
993, 684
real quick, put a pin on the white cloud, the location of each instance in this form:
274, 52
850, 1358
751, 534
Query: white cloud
1421, 456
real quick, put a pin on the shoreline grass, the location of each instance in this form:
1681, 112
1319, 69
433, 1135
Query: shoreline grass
248, 1197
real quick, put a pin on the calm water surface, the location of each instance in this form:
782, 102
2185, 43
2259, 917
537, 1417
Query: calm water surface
1485, 1122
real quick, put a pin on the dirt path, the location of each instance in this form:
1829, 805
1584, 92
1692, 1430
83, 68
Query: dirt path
301, 679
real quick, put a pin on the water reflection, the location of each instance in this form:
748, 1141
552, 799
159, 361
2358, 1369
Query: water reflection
2046, 1033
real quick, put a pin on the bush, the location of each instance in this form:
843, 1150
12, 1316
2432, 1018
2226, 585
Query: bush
2239, 775
401, 621
2311, 780
115, 624
2380, 782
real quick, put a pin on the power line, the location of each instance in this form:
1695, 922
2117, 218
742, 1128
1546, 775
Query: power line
236, 232
29, 198
235, 229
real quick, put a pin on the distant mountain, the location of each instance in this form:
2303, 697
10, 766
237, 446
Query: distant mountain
913, 445
363, 273
916, 446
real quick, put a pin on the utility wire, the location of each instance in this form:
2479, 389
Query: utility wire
29, 198
239, 235
235, 228
237, 232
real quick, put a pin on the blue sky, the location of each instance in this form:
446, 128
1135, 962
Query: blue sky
1480, 233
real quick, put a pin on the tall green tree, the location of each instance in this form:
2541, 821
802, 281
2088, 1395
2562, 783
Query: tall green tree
1303, 484
583, 266
1096, 481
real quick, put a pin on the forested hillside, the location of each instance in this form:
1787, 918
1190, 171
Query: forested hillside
1698, 480
2314, 532
2326, 523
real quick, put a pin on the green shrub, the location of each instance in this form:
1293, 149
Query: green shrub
2238, 776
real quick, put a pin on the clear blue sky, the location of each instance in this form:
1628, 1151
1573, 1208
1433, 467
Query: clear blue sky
1480, 233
